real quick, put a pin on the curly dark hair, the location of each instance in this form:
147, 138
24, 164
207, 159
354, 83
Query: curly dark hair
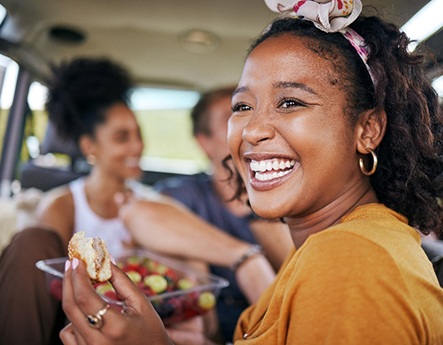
409, 177
80, 93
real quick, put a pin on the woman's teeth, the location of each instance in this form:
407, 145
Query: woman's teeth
271, 168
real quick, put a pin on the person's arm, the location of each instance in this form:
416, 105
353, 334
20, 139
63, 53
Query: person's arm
170, 228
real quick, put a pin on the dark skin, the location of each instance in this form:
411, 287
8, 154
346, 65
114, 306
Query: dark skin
285, 110
138, 313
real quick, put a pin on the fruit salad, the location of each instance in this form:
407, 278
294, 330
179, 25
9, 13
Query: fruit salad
175, 295
176, 291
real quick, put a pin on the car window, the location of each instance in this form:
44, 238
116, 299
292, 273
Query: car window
164, 117
3, 14
38, 118
8, 78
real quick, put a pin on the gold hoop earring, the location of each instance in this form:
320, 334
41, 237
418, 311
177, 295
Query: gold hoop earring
91, 159
374, 163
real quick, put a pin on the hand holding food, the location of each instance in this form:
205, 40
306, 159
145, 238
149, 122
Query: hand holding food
177, 294
133, 325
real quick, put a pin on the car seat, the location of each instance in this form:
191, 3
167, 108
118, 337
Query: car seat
43, 174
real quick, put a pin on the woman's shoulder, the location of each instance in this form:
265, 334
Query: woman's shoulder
58, 199
372, 223
371, 232
370, 247
56, 211
341, 244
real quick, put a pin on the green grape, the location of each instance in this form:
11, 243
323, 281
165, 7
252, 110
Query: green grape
156, 282
206, 300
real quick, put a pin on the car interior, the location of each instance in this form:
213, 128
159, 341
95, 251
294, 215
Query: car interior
174, 49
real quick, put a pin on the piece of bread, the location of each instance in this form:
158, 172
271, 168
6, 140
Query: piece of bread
94, 253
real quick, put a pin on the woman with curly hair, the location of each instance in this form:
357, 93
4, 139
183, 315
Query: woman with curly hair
88, 105
336, 130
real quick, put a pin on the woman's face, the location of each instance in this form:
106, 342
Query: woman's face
288, 134
117, 143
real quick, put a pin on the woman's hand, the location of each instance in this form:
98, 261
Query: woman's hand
136, 324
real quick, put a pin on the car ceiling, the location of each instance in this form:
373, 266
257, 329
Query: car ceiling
144, 35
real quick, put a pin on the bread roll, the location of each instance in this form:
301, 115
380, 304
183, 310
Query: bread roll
94, 253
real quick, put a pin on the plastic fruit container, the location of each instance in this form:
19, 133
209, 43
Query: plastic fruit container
176, 290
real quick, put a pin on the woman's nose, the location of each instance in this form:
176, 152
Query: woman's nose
137, 145
258, 129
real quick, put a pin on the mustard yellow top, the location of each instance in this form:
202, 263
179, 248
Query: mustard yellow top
365, 281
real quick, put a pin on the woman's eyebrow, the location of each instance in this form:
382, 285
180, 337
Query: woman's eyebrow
239, 90
281, 85
290, 84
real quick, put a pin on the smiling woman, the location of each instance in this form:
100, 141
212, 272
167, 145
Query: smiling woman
323, 137
336, 99
333, 123
87, 104
298, 130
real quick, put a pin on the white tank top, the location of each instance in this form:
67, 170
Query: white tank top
112, 231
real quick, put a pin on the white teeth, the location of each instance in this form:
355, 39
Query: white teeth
269, 176
271, 164
271, 168
262, 166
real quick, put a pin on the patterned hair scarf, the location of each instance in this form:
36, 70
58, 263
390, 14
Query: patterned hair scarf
328, 16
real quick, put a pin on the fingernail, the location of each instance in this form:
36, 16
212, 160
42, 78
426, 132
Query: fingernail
74, 263
113, 260
67, 265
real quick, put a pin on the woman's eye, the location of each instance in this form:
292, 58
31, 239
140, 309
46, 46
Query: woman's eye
240, 107
290, 103
121, 138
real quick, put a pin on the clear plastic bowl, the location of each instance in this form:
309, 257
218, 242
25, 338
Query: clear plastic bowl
183, 291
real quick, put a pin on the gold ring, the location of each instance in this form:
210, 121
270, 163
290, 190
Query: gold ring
96, 321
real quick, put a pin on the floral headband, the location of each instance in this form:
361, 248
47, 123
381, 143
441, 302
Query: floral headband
328, 16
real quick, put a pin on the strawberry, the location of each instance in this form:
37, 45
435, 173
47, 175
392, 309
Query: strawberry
56, 288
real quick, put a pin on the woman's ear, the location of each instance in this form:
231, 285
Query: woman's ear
205, 143
86, 145
370, 129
